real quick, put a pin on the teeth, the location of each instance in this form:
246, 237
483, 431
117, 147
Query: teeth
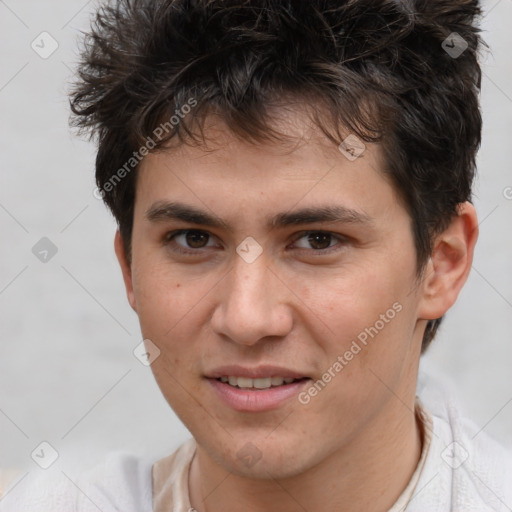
265, 383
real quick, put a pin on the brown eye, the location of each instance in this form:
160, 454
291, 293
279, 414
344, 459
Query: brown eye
318, 241
196, 239
188, 241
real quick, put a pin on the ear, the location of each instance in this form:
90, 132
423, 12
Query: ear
449, 265
125, 269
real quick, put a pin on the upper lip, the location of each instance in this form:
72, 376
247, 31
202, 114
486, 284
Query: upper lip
258, 372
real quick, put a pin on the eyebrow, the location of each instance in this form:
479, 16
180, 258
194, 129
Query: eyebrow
164, 211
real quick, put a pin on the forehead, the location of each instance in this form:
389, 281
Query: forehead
305, 167
287, 130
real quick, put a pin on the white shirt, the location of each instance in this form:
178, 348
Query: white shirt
461, 469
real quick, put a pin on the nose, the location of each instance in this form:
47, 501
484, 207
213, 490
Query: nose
253, 304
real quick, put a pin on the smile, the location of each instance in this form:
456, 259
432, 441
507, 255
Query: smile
251, 398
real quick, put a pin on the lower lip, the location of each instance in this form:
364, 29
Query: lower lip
256, 400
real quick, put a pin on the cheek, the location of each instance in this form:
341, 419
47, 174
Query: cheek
162, 299
363, 322
347, 302
174, 307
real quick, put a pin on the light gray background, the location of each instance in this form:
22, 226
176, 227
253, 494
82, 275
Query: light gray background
67, 372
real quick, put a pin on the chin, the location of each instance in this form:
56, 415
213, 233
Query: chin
265, 459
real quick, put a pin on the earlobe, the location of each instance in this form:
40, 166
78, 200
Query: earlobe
450, 264
125, 269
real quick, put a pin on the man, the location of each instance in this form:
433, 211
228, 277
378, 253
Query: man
292, 185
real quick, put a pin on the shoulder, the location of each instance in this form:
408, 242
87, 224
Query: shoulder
120, 482
485, 468
474, 472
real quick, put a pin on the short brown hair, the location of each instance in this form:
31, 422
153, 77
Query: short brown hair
383, 69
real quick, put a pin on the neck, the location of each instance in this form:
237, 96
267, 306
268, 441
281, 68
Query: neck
368, 474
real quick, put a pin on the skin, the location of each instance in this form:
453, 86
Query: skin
356, 444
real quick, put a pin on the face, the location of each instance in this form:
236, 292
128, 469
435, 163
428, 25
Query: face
258, 256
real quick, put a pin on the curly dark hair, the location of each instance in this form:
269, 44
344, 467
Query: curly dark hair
382, 69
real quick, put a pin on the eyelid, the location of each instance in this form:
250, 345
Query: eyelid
170, 236
341, 239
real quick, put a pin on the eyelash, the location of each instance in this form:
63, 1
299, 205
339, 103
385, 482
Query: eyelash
169, 238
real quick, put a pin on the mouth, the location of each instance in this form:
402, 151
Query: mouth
256, 395
260, 384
